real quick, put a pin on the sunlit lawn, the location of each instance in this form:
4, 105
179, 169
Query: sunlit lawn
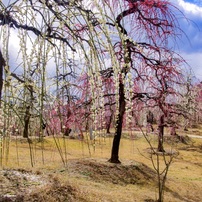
52, 154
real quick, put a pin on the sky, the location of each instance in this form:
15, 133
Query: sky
190, 43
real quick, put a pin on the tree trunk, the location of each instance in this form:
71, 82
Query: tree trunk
161, 133
173, 131
26, 122
108, 124
2, 64
118, 131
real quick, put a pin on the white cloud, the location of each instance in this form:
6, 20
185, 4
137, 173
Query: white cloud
190, 8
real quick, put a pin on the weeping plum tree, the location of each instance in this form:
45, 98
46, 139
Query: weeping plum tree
144, 28
121, 38
165, 82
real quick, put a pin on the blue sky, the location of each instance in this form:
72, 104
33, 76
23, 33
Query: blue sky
190, 43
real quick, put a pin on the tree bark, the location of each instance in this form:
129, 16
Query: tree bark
173, 131
2, 64
118, 131
108, 124
26, 122
161, 126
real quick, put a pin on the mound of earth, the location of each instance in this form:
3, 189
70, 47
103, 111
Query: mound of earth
133, 173
52, 193
23, 185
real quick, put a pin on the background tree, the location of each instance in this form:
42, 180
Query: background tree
199, 102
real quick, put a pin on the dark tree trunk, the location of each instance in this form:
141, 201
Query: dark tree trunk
161, 126
26, 122
122, 103
173, 131
2, 64
118, 131
108, 124
150, 121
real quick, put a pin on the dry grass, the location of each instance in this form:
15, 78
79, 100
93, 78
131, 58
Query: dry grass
85, 175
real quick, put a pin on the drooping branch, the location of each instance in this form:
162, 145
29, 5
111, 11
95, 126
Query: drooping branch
7, 19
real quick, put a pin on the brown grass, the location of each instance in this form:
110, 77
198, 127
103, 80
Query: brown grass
85, 174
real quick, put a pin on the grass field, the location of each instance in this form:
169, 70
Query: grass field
63, 169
